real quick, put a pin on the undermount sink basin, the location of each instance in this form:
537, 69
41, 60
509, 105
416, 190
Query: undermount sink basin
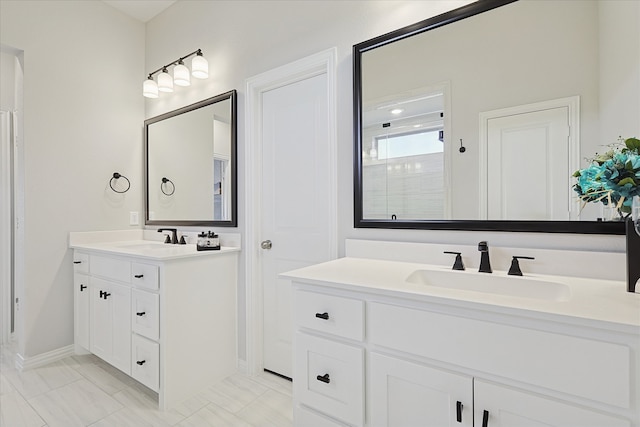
515, 286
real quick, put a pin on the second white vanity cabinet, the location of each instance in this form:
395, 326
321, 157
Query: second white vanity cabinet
169, 321
376, 357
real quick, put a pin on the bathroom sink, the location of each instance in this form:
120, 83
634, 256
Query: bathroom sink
515, 286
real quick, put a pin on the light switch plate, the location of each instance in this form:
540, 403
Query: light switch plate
134, 218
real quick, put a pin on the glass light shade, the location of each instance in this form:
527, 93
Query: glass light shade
181, 75
165, 82
150, 89
199, 67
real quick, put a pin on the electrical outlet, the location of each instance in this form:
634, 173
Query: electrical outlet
133, 218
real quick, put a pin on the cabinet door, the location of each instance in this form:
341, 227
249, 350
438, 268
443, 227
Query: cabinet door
111, 323
501, 406
81, 306
405, 394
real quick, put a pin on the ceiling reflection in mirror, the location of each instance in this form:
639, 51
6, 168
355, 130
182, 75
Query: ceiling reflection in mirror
192, 165
488, 116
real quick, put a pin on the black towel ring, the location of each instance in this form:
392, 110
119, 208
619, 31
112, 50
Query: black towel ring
173, 186
117, 176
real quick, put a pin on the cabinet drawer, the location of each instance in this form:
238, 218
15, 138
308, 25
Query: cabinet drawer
329, 377
339, 316
145, 276
110, 268
145, 318
80, 262
581, 367
145, 362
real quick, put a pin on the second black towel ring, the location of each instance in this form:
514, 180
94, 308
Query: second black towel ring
166, 180
117, 176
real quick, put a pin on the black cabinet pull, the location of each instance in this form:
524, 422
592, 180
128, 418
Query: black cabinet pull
82, 287
324, 315
101, 294
106, 295
139, 276
485, 418
141, 313
459, 411
77, 262
324, 378
141, 362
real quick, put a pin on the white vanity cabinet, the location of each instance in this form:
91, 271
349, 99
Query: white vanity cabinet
170, 323
433, 363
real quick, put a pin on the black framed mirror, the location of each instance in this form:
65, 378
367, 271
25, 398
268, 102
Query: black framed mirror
408, 67
191, 165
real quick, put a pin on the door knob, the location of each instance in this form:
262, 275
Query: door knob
266, 244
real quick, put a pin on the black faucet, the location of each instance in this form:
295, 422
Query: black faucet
514, 270
485, 264
174, 235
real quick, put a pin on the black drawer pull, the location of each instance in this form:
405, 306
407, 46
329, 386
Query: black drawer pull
139, 276
324, 378
485, 418
82, 287
77, 262
141, 313
324, 315
106, 294
141, 362
459, 411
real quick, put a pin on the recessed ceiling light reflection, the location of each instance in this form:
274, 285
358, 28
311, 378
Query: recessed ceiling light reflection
397, 111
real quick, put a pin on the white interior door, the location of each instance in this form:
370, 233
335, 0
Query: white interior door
296, 203
528, 169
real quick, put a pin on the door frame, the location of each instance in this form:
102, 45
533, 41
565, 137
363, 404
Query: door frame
324, 62
572, 103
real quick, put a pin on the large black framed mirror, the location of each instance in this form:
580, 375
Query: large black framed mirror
449, 78
191, 165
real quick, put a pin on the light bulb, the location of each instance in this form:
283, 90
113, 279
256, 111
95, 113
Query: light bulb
181, 75
150, 88
165, 81
199, 66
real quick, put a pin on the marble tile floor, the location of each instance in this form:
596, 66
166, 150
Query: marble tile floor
86, 391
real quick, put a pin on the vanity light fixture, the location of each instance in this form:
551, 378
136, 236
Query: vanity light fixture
181, 75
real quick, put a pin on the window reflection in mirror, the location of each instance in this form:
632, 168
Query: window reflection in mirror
403, 154
195, 148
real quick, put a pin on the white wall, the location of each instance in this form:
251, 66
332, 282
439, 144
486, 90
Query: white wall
83, 115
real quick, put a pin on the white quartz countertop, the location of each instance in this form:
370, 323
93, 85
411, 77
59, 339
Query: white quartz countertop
149, 249
588, 300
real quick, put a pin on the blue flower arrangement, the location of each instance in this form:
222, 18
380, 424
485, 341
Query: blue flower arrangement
613, 178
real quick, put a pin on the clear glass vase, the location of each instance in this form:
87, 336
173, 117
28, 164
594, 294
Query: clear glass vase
635, 214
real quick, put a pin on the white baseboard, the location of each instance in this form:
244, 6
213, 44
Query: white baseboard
23, 364
242, 366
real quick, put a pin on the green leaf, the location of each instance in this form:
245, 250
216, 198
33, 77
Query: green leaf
627, 181
576, 174
632, 143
